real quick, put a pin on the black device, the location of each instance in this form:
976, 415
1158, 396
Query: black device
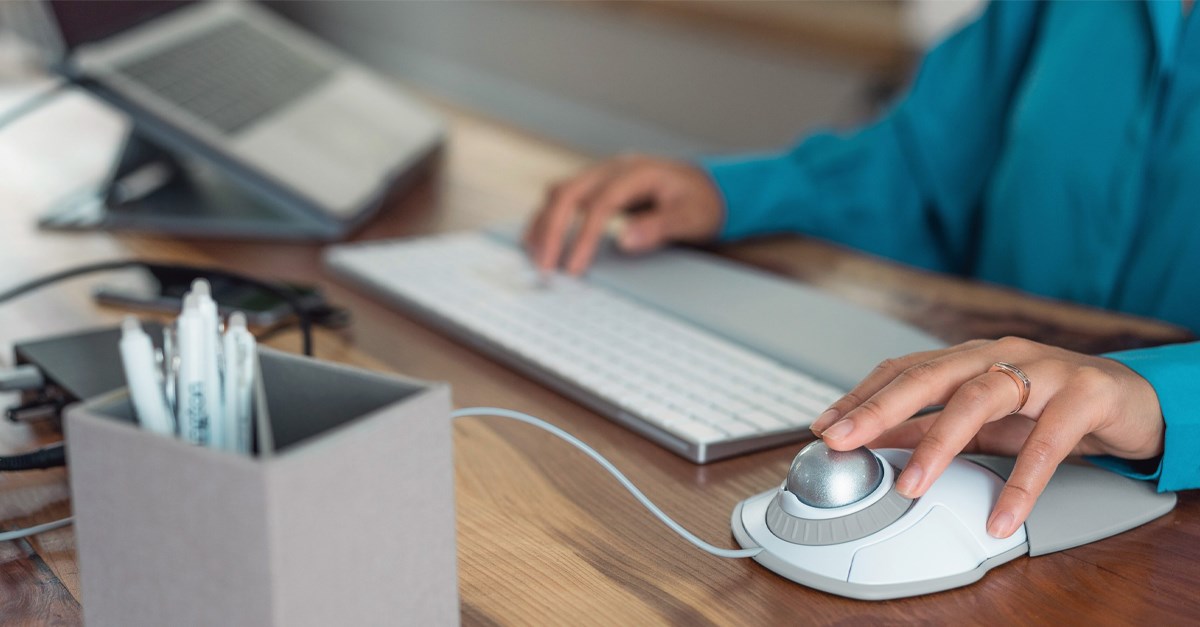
77, 365
162, 289
59, 370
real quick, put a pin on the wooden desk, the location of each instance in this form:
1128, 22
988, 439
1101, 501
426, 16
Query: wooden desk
544, 536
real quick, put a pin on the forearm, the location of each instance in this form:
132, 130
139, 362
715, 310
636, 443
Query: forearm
909, 185
855, 189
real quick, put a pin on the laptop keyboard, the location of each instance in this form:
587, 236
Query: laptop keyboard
229, 76
693, 391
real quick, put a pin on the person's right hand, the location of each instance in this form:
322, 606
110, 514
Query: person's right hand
676, 200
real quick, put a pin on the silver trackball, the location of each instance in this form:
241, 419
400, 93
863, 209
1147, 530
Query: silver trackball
825, 478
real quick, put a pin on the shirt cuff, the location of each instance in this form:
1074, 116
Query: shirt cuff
1174, 372
758, 193
1146, 470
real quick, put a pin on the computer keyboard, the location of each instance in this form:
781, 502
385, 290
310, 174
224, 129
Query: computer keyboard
230, 76
692, 391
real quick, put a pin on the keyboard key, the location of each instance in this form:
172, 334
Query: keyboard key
698, 432
789, 413
738, 429
763, 420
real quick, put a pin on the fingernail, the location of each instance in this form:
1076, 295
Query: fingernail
839, 430
824, 420
909, 480
1001, 525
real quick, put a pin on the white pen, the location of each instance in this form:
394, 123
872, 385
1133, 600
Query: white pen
206, 307
191, 392
238, 384
141, 375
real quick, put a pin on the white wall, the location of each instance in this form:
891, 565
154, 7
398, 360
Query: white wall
597, 80
607, 81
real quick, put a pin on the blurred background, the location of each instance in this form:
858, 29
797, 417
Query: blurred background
605, 76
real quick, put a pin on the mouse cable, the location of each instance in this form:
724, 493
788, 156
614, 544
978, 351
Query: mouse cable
17, 534
283, 293
612, 470
483, 412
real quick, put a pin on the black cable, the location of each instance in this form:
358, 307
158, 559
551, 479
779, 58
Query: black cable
49, 457
285, 294
38, 283
323, 315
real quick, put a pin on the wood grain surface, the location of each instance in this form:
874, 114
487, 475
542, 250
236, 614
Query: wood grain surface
544, 536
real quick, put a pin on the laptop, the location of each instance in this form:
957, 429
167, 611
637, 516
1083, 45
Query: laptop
285, 115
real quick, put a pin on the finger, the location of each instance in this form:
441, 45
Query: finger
906, 434
563, 203
643, 232
883, 374
981, 400
555, 220
916, 387
1002, 437
532, 237
620, 192
1068, 417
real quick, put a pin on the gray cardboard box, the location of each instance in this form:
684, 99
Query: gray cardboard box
349, 522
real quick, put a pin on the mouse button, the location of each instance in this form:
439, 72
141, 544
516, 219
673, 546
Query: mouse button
937, 546
1002, 466
897, 457
968, 490
1083, 503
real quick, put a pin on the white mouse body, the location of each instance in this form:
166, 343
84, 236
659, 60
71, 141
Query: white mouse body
939, 542
883, 546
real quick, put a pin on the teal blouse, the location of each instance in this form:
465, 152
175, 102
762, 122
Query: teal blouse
1054, 147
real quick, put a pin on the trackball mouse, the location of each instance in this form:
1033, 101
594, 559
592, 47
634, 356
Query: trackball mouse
837, 524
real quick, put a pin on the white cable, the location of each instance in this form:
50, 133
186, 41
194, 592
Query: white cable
530, 420
607, 465
17, 534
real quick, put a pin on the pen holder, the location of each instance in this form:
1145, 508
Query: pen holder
348, 521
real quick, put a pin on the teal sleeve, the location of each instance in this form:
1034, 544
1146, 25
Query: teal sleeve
906, 186
1174, 371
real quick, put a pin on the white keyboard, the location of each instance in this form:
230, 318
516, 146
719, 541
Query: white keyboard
693, 392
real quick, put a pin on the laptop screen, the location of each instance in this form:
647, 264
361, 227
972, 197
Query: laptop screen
82, 21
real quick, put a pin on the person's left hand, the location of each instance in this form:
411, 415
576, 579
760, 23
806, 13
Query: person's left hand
1078, 404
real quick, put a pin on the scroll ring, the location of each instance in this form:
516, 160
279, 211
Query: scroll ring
1018, 376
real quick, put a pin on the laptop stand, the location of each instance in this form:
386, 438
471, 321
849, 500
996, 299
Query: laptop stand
153, 190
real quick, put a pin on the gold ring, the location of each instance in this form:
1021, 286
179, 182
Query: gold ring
1018, 377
